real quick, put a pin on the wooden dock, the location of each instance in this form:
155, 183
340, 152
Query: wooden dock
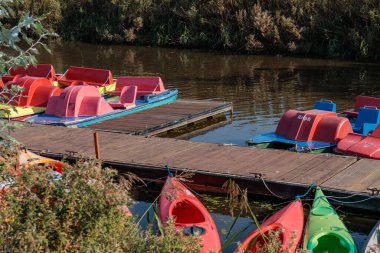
285, 173
166, 118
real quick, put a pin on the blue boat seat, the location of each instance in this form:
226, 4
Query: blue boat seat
325, 105
368, 119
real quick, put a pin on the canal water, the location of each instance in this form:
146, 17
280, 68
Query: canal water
261, 88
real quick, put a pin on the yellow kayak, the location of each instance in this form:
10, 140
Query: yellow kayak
7, 111
27, 158
102, 89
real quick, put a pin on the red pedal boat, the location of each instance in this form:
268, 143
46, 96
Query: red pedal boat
290, 220
367, 146
190, 215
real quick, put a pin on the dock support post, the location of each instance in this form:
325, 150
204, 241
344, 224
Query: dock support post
97, 147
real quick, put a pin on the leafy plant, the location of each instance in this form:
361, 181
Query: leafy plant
19, 42
82, 211
13, 33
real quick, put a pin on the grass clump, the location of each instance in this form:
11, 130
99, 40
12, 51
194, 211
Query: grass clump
78, 211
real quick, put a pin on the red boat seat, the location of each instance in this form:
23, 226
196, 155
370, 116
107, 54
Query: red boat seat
360, 145
145, 85
37, 91
313, 125
95, 77
76, 101
362, 101
40, 70
127, 97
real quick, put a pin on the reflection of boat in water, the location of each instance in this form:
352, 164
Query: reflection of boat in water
316, 130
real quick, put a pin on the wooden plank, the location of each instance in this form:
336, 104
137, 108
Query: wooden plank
324, 171
163, 118
357, 177
309, 165
282, 167
283, 163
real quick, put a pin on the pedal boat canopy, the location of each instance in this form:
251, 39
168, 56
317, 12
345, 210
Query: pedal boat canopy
310, 130
33, 99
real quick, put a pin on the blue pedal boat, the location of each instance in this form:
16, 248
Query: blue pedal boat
317, 130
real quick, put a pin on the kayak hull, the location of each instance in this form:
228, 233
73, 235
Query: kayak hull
27, 158
189, 213
373, 242
290, 220
325, 231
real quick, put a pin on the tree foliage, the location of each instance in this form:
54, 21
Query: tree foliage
20, 38
321, 28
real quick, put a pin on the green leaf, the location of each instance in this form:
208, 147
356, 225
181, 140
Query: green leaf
233, 238
46, 48
233, 224
159, 223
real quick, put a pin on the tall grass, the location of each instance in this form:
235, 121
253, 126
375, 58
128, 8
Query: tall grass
344, 29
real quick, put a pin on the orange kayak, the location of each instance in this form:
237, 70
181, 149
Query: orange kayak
27, 158
191, 216
290, 220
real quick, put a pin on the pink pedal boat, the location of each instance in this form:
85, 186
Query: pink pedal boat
82, 105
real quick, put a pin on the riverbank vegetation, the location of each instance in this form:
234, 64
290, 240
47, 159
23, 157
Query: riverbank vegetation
339, 29
82, 210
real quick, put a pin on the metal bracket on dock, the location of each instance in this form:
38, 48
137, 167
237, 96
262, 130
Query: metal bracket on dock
375, 191
257, 175
71, 153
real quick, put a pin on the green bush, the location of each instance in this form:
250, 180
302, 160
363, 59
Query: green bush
320, 28
81, 212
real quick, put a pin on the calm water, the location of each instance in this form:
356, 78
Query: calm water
261, 88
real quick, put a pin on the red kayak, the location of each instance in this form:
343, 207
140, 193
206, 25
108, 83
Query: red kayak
289, 219
191, 216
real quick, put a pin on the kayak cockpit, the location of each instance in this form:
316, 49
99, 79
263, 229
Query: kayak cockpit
186, 212
260, 241
332, 243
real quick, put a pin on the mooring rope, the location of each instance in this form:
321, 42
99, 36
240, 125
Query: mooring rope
296, 197
274, 194
350, 202
169, 172
307, 192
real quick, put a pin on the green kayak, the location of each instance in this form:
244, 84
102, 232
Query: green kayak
325, 232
